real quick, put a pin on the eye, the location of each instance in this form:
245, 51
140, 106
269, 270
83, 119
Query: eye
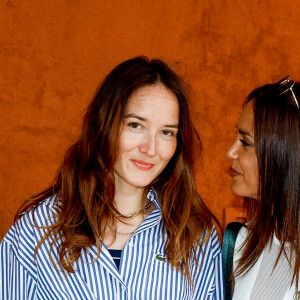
134, 125
168, 133
244, 143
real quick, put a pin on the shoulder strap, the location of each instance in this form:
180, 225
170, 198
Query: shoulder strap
229, 238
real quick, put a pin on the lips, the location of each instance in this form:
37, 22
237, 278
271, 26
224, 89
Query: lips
233, 172
142, 165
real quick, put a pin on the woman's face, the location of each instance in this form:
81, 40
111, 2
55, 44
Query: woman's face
244, 169
148, 137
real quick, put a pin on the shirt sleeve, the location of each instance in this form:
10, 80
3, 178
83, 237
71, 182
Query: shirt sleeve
17, 266
218, 292
208, 280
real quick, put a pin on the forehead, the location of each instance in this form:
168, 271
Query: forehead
245, 122
154, 97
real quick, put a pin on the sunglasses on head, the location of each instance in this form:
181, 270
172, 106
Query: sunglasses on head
286, 85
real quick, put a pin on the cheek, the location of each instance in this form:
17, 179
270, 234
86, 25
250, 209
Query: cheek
254, 167
167, 150
127, 142
251, 169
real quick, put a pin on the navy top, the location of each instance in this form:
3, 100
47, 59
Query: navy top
116, 255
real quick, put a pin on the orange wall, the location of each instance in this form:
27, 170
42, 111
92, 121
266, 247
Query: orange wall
54, 53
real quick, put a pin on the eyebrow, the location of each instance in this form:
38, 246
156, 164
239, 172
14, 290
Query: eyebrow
144, 120
244, 132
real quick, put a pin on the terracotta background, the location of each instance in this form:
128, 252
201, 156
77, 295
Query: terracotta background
53, 54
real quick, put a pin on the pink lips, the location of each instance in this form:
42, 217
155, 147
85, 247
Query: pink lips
142, 165
233, 172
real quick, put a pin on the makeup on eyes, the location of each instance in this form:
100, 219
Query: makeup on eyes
246, 138
244, 142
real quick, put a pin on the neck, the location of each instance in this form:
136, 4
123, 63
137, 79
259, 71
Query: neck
129, 199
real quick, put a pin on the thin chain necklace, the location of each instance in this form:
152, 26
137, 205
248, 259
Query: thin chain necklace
134, 214
126, 233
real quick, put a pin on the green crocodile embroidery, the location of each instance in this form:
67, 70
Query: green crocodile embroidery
159, 257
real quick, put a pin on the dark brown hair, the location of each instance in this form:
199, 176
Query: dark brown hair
277, 145
85, 185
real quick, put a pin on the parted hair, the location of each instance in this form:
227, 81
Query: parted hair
85, 185
277, 209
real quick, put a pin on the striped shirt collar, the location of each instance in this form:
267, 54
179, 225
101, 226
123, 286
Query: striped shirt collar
56, 205
153, 197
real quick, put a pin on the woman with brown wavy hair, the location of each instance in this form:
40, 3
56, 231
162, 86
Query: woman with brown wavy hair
123, 219
265, 166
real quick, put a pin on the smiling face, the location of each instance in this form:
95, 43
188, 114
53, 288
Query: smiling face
148, 137
244, 168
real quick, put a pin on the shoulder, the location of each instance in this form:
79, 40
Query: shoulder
19, 244
24, 233
215, 242
241, 238
44, 214
211, 247
238, 246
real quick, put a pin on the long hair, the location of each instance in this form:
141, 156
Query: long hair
85, 184
277, 145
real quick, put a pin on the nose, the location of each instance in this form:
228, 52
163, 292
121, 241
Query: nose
232, 152
149, 145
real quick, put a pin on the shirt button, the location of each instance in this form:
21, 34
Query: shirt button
123, 288
130, 244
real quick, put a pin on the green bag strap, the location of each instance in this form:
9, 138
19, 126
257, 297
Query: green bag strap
229, 238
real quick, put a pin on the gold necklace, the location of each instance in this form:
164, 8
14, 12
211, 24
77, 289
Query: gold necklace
126, 233
135, 214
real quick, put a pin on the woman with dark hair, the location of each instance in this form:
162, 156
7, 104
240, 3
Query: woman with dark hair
265, 166
123, 219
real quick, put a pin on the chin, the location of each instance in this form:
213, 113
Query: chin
238, 191
140, 183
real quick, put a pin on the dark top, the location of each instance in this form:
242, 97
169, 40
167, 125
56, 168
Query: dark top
116, 255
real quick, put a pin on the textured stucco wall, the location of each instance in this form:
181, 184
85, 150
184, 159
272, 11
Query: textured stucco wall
54, 53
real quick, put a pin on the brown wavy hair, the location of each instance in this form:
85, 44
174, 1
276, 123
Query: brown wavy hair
85, 187
277, 145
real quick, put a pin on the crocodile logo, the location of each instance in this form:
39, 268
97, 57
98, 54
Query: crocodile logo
159, 257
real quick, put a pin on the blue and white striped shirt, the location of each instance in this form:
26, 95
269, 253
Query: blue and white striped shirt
143, 271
